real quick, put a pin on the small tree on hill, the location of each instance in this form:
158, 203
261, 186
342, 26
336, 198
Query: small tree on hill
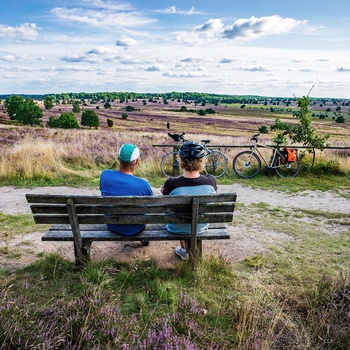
302, 132
90, 118
64, 121
76, 107
12, 104
48, 103
29, 113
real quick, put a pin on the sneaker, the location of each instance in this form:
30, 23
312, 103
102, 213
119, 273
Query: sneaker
181, 252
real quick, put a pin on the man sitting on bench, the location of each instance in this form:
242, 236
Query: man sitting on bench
122, 182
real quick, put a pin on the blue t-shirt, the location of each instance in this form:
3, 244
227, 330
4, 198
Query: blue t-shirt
204, 184
116, 183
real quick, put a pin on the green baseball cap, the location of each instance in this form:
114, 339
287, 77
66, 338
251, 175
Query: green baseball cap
128, 152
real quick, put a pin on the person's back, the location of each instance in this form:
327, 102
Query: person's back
191, 182
122, 182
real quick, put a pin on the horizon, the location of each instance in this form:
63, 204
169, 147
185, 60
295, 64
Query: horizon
269, 48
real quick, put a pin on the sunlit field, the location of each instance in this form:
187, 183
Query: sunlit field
294, 295
37, 153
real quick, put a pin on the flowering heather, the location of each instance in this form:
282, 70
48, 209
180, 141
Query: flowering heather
93, 321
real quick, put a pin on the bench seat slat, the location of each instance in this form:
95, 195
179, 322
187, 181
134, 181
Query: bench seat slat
147, 235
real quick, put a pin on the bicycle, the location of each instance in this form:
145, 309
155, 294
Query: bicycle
247, 164
215, 163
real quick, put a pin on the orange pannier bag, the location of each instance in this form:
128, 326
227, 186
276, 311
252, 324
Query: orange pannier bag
291, 155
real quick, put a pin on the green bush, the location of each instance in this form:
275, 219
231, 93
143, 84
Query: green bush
64, 121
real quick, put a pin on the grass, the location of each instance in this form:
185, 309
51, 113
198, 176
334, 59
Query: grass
291, 296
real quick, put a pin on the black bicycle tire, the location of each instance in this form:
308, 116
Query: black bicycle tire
236, 160
220, 155
279, 169
164, 168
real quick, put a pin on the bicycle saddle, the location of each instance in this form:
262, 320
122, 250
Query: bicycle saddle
205, 141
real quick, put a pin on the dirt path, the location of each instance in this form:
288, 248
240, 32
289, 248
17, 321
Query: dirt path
26, 248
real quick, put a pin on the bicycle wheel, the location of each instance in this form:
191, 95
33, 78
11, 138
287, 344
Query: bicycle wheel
170, 164
246, 164
215, 163
285, 169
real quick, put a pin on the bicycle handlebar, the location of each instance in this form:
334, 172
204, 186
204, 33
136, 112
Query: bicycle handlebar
177, 137
255, 137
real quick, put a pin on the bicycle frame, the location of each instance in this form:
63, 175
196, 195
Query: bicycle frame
255, 149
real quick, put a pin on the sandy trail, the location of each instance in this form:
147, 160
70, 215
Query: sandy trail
241, 244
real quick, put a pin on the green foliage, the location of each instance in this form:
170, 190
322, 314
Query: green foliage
263, 129
76, 107
107, 105
340, 119
29, 113
48, 102
202, 112
129, 108
64, 121
90, 118
302, 132
124, 116
12, 104
109, 122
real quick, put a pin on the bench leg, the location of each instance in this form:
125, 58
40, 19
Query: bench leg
85, 249
199, 246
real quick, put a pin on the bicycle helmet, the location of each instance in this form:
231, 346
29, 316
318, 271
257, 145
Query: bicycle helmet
191, 150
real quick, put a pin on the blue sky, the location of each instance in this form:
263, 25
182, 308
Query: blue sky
261, 47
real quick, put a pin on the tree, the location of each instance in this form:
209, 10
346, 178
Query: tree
64, 121
90, 118
76, 107
29, 113
124, 115
302, 132
340, 119
129, 108
12, 104
48, 102
107, 105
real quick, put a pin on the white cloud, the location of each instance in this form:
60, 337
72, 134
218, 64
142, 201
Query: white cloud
253, 28
105, 18
96, 55
126, 41
186, 75
173, 10
343, 69
26, 31
211, 27
156, 68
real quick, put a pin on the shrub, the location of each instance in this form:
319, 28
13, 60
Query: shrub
109, 123
64, 121
90, 118
129, 108
263, 129
124, 116
340, 119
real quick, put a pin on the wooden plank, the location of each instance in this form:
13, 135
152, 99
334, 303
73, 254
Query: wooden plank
133, 219
73, 220
149, 235
102, 227
129, 200
127, 209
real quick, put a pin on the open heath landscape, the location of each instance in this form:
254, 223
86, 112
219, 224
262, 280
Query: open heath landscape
282, 281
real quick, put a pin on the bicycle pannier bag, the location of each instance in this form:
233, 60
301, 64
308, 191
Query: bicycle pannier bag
291, 155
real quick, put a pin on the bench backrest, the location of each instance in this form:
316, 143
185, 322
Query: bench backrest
62, 209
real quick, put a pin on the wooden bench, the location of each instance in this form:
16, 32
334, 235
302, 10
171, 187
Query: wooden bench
82, 219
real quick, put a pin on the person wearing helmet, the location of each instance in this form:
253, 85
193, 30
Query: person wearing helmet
190, 182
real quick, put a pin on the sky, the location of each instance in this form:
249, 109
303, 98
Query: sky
281, 48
